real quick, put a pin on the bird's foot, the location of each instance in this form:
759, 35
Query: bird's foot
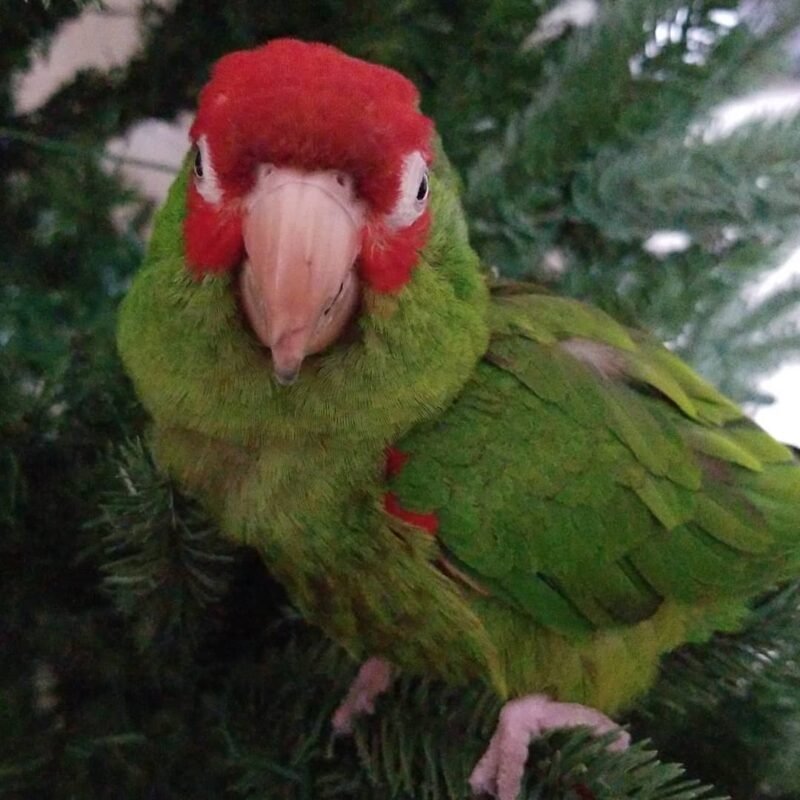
373, 679
500, 770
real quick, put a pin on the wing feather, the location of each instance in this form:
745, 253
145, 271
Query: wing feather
585, 494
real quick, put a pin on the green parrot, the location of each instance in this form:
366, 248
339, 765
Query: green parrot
452, 476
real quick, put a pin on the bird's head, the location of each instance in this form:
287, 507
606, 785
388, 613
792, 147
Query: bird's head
311, 178
315, 238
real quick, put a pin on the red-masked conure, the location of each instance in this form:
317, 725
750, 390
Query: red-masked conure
460, 479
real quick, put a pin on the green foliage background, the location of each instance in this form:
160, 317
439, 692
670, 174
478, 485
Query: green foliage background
140, 657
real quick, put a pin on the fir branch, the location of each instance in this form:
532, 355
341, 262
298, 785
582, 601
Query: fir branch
747, 181
421, 743
60, 147
731, 665
730, 708
613, 85
737, 337
222, 724
163, 561
564, 119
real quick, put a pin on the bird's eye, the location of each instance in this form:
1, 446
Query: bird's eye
206, 180
414, 188
422, 191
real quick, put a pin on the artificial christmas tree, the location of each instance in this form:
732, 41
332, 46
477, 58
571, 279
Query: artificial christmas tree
144, 657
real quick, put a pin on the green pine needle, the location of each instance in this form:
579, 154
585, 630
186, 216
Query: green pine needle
163, 562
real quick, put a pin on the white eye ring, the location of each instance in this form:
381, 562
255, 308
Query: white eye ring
205, 177
413, 197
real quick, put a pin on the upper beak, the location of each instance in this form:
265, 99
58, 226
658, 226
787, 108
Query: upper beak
299, 287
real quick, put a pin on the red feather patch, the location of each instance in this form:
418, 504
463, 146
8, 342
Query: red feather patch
308, 106
213, 236
428, 522
388, 257
395, 461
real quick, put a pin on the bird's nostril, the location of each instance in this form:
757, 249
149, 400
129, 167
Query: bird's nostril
341, 179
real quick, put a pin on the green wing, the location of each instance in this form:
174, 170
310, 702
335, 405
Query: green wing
586, 474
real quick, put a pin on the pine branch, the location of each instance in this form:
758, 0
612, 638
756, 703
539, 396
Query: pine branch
421, 743
746, 181
731, 708
164, 563
245, 711
616, 84
564, 121
737, 338
766, 653
60, 147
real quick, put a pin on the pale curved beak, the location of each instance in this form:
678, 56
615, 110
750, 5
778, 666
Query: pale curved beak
299, 286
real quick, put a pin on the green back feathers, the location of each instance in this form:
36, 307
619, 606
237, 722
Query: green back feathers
587, 485
606, 502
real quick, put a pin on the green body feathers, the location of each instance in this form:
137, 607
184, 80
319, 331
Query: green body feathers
596, 504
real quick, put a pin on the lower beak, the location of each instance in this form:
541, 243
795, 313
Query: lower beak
299, 286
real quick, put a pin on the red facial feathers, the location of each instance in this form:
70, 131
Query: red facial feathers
308, 106
388, 256
213, 235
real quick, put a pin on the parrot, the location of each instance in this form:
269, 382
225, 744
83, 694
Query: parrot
452, 474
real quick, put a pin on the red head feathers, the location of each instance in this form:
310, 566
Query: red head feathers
311, 108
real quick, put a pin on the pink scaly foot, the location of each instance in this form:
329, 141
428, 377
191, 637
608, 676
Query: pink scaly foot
373, 679
500, 770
